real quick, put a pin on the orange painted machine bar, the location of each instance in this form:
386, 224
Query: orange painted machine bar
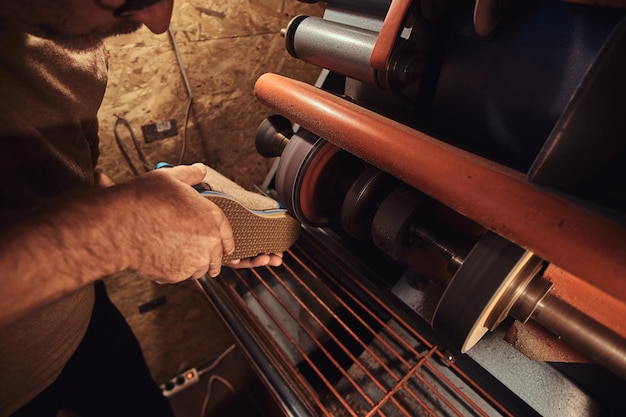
579, 241
389, 32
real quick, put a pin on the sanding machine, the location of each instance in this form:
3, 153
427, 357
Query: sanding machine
459, 169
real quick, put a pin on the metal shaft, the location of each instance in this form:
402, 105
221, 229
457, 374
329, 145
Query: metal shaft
338, 47
347, 50
584, 333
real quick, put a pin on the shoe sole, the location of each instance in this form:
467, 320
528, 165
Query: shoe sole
256, 232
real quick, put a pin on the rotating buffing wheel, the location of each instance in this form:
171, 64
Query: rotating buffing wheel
483, 290
272, 136
362, 201
394, 218
313, 176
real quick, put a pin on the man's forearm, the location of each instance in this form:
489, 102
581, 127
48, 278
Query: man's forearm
156, 225
53, 253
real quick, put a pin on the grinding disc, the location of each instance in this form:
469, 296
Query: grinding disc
293, 161
362, 200
483, 290
393, 219
311, 178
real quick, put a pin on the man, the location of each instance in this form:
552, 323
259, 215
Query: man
63, 226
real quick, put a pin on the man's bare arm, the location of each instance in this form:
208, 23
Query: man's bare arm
155, 225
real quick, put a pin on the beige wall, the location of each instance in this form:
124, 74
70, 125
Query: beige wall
224, 46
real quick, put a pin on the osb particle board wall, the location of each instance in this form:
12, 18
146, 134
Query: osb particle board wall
224, 46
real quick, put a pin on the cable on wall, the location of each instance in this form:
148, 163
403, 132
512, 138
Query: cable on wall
189, 93
146, 165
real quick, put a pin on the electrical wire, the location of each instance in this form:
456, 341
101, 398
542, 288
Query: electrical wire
189, 93
146, 165
205, 403
209, 368
216, 361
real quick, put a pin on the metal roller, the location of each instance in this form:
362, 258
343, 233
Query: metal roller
405, 218
347, 50
296, 159
585, 334
587, 245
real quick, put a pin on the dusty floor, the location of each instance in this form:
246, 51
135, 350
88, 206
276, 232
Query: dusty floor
224, 46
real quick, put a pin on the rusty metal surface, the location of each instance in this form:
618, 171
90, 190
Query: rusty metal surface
588, 299
540, 345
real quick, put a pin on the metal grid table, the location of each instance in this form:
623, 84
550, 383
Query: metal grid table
328, 343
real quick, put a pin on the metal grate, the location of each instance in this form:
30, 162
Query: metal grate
337, 347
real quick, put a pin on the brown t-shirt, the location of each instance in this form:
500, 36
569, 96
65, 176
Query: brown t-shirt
48, 146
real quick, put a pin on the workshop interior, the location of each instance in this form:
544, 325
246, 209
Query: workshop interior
459, 171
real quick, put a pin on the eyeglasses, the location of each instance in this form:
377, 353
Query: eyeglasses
128, 8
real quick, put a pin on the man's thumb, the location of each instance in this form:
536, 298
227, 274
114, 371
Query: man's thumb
189, 174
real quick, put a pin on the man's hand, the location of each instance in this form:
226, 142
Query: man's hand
170, 231
275, 259
185, 235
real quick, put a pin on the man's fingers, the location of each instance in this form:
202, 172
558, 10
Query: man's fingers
189, 174
228, 239
214, 269
192, 175
274, 259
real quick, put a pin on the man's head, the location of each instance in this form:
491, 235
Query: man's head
83, 24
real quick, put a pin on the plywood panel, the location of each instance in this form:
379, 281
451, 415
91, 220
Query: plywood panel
224, 47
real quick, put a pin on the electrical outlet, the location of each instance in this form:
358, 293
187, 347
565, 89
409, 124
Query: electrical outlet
159, 130
180, 382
